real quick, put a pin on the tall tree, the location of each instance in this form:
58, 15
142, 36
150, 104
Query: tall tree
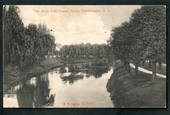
153, 34
121, 43
143, 37
24, 46
13, 35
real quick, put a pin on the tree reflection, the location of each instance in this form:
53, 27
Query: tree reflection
89, 68
71, 78
35, 95
97, 72
25, 96
92, 69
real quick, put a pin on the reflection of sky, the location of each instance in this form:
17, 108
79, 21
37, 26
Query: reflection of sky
75, 28
88, 90
10, 101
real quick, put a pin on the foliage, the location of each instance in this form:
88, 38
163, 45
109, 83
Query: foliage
84, 51
142, 38
24, 46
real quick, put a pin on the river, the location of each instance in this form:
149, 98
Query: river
62, 89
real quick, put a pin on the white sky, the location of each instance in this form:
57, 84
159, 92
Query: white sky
78, 27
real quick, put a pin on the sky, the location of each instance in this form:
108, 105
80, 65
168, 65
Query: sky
75, 24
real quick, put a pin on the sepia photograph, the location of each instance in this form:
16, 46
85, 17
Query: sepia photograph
84, 56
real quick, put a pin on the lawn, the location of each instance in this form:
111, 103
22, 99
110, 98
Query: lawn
128, 90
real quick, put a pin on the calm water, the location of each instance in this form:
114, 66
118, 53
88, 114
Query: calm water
85, 88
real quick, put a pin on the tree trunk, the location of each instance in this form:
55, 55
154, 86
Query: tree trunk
160, 65
149, 63
143, 63
127, 66
136, 69
153, 70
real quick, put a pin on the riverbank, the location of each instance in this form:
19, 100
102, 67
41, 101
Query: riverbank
13, 76
128, 90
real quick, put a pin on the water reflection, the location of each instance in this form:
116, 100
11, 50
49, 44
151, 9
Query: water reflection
72, 83
75, 71
35, 94
71, 78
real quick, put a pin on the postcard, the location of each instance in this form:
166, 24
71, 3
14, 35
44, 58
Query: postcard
84, 56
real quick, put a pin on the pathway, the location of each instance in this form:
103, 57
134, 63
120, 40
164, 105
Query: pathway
147, 71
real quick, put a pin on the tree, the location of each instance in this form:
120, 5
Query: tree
121, 42
24, 46
13, 35
143, 37
153, 34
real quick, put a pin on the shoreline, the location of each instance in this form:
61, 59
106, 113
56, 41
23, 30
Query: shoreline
25, 75
130, 91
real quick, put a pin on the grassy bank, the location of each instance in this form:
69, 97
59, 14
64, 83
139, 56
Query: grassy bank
128, 90
12, 75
